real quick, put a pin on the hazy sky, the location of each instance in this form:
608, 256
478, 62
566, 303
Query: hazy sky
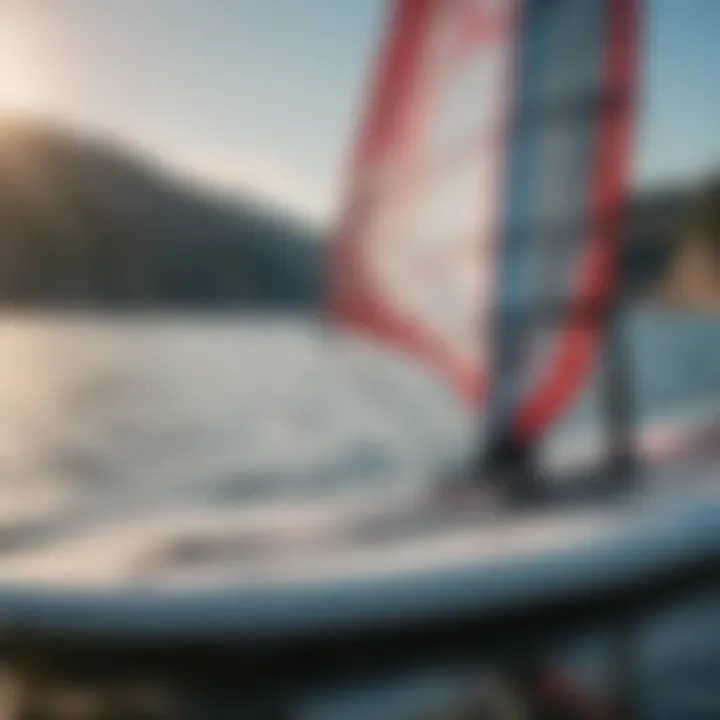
265, 93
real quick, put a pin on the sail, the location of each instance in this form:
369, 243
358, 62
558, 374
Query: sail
496, 137
568, 166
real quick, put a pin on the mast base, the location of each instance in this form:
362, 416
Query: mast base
511, 467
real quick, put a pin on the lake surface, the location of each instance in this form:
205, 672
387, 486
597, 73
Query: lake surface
107, 416
165, 411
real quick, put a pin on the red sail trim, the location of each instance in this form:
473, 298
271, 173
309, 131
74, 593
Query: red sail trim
394, 123
597, 276
354, 300
398, 64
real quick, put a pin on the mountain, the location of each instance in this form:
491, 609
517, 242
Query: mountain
653, 228
85, 222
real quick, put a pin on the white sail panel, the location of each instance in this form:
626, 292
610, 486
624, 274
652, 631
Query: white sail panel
422, 217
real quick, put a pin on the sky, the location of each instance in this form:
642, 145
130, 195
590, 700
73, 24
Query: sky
263, 96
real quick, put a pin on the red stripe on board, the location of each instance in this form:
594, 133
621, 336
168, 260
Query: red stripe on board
598, 273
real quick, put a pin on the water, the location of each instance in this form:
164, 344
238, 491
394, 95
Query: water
172, 411
105, 417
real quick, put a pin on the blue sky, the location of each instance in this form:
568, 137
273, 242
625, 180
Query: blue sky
264, 94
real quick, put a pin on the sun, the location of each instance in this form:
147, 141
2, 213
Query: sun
20, 88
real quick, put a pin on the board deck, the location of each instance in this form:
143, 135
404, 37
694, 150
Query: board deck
280, 571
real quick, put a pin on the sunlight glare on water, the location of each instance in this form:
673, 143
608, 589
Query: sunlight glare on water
130, 416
